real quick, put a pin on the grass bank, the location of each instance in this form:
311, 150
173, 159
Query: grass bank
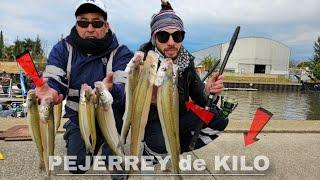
262, 78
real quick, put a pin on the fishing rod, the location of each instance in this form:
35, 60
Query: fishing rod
210, 71
212, 97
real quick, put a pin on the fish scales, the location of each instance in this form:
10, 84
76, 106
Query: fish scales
133, 69
168, 109
142, 101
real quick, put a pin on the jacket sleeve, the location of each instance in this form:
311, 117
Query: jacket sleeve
56, 68
196, 87
121, 59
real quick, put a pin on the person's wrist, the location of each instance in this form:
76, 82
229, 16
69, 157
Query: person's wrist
110, 86
207, 90
44, 87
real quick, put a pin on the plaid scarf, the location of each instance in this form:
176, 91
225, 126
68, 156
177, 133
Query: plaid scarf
183, 59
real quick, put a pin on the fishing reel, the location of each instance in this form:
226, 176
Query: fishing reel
228, 105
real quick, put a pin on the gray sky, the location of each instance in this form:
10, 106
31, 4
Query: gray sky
207, 22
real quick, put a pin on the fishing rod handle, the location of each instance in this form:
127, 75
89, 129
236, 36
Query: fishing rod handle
212, 97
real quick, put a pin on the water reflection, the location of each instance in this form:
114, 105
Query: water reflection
283, 105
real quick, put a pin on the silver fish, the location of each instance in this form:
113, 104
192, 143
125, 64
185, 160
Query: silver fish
133, 70
106, 120
168, 110
57, 111
142, 100
47, 130
87, 118
34, 126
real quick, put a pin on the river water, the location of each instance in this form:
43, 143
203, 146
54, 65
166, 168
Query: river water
283, 105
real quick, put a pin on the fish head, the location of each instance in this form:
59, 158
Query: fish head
104, 95
82, 96
46, 108
165, 72
152, 62
135, 62
31, 98
85, 93
175, 69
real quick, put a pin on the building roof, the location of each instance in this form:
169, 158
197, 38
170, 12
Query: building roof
215, 50
253, 37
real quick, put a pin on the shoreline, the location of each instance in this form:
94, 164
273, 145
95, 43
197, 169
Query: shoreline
234, 126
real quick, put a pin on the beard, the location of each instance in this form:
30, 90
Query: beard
171, 52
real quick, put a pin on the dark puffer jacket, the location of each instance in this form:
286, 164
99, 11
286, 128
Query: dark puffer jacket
85, 68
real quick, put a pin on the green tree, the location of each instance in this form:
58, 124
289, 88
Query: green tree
316, 71
37, 49
316, 55
1, 45
9, 52
18, 47
305, 64
316, 59
207, 62
28, 45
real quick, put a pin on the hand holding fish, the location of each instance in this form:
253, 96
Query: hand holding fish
108, 81
45, 92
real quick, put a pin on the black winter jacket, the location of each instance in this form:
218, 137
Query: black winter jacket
189, 83
189, 86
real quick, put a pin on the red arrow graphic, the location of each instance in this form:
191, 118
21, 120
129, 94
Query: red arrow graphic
25, 61
260, 119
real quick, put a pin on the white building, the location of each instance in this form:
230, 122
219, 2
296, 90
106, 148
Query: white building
251, 55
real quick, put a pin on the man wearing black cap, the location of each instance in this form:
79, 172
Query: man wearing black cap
85, 56
167, 35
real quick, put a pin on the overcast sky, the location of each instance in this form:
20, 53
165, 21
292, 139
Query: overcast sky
295, 23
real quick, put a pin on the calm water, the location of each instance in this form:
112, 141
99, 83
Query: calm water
283, 105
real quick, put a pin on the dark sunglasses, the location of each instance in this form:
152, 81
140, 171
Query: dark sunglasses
95, 24
163, 36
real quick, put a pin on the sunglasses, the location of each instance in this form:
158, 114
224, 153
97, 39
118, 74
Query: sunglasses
163, 36
85, 24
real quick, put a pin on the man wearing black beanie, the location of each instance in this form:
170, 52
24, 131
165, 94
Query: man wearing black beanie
167, 35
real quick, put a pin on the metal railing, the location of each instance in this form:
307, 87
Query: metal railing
4, 87
7, 93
